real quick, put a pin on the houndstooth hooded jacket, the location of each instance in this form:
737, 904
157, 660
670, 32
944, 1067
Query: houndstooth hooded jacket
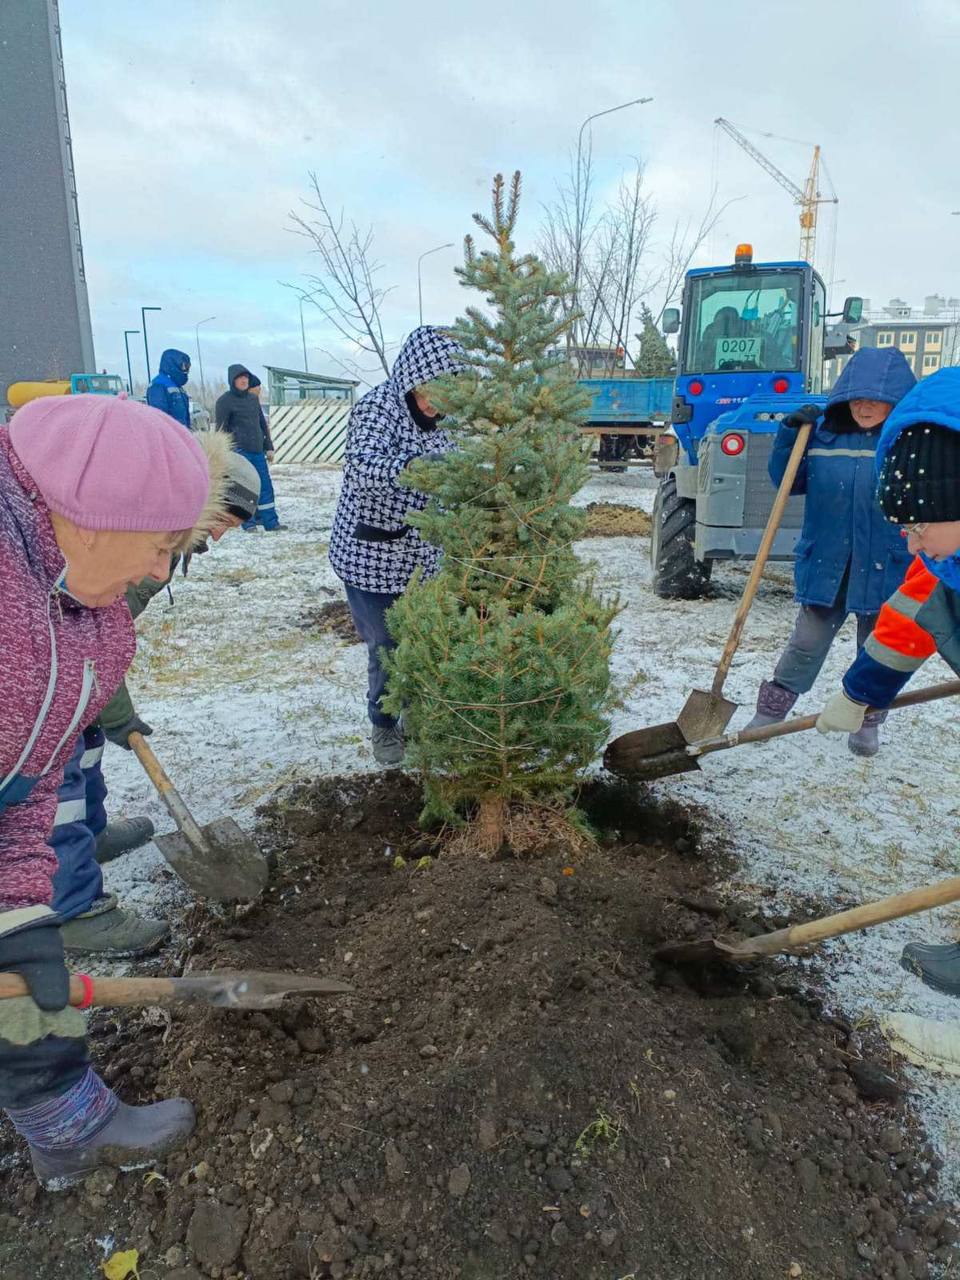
371, 545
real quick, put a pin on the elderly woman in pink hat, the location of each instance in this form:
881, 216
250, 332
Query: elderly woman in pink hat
96, 493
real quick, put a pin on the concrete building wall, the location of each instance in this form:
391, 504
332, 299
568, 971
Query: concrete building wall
44, 313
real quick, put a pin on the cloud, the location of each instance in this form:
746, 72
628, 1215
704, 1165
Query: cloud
195, 126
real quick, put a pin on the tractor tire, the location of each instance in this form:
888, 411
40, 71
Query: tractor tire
676, 574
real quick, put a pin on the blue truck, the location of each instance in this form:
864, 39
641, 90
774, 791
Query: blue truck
631, 408
752, 339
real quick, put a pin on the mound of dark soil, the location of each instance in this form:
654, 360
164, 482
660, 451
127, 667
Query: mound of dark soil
333, 617
513, 1091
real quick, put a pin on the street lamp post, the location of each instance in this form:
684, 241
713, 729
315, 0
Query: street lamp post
203, 385
419, 281
303, 337
143, 321
634, 102
126, 344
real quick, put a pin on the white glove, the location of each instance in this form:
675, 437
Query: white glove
841, 715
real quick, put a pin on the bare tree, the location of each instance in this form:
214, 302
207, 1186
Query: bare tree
345, 289
612, 260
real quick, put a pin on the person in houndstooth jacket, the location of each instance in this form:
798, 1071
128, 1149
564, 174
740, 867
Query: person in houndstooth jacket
372, 548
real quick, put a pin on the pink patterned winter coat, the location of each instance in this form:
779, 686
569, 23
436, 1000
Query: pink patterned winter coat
59, 664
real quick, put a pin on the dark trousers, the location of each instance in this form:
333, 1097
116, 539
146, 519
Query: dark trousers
807, 648
266, 505
368, 609
80, 817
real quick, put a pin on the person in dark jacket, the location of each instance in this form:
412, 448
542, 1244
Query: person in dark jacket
919, 490
166, 391
373, 550
239, 412
848, 557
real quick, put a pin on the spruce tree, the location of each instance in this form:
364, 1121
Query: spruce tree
655, 359
502, 666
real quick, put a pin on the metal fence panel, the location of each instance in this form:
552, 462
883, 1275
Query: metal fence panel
310, 431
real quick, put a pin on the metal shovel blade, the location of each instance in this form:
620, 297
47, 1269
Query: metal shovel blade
648, 754
252, 990
705, 715
227, 866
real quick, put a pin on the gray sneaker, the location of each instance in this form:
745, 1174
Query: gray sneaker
388, 743
122, 836
135, 1138
107, 930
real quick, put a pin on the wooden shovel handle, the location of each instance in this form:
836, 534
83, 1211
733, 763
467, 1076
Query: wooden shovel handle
106, 991
932, 693
763, 553
164, 787
900, 904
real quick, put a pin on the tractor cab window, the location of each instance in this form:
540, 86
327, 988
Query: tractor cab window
743, 322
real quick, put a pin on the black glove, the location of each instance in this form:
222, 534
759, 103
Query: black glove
806, 415
36, 954
120, 735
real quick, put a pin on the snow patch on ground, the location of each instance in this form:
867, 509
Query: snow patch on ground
243, 698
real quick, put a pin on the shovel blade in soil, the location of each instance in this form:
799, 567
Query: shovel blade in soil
647, 754
227, 867
705, 715
253, 990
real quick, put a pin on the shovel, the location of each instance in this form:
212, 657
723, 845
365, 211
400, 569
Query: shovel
707, 712
223, 990
218, 860
799, 938
647, 754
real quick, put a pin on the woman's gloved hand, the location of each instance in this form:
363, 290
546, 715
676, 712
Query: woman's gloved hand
806, 415
36, 953
841, 715
120, 736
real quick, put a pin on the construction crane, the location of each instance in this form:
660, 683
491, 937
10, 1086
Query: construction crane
808, 196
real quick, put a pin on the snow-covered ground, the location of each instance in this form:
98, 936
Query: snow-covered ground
243, 698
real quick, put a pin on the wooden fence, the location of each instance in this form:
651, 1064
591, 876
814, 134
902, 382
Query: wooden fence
310, 430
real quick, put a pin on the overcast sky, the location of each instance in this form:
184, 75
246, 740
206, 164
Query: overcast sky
196, 122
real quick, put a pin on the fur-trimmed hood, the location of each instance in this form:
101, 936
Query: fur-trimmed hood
217, 446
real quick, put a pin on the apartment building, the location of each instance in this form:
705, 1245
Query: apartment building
928, 336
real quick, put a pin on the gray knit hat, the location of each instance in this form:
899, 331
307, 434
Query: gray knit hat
243, 487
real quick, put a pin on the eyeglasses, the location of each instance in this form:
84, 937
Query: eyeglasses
914, 530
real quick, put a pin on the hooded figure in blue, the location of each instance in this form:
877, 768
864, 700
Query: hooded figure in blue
919, 491
166, 390
848, 557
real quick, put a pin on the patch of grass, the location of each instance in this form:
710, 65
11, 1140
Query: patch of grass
604, 1131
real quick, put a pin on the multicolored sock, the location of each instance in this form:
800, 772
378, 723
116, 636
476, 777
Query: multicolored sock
69, 1120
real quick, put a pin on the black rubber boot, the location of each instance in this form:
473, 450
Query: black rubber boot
135, 1138
122, 836
936, 964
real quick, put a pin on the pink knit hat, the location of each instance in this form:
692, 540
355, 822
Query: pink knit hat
106, 462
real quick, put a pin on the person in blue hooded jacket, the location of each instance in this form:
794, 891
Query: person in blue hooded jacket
166, 391
848, 557
919, 490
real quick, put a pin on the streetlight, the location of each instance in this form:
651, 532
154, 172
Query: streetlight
203, 385
580, 211
143, 321
634, 102
126, 344
303, 335
449, 245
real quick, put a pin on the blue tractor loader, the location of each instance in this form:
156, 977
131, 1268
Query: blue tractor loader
752, 341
